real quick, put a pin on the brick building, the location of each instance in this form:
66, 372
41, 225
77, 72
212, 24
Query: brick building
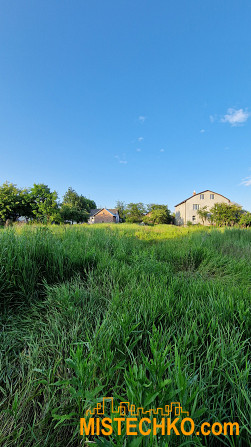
104, 215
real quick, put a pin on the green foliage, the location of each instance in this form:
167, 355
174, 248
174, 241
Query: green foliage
41, 204
14, 202
73, 214
121, 206
135, 212
154, 206
75, 208
86, 204
103, 311
9, 201
73, 199
245, 220
158, 214
44, 203
203, 214
225, 214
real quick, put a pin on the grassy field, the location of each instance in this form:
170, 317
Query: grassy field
146, 315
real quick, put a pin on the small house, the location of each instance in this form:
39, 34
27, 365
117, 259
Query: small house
103, 215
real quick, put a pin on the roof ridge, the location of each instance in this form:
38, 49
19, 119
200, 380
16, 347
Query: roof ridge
183, 201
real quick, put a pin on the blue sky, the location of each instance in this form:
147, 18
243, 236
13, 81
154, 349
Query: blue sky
131, 100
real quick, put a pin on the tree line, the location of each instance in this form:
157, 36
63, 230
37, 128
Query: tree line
40, 204
148, 214
224, 214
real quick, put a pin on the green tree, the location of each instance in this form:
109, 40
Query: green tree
158, 214
86, 204
154, 206
9, 201
14, 202
225, 214
73, 199
44, 203
75, 207
203, 214
135, 212
245, 220
73, 214
121, 206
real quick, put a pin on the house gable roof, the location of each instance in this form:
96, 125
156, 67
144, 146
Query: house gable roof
113, 210
93, 212
96, 211
206, 190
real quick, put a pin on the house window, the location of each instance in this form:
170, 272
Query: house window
201, 196
196, 207
211, 196
193, 218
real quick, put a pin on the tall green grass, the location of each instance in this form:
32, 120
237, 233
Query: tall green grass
147, 315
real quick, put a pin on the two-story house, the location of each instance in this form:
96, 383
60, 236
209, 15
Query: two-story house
186, 211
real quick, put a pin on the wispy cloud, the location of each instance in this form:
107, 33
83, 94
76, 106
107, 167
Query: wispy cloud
123, 162
202, 130
235, 117
162, 150
142, 119
138, 149
246, 181
212, 118
140, 139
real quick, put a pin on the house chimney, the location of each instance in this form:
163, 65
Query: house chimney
194, 193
